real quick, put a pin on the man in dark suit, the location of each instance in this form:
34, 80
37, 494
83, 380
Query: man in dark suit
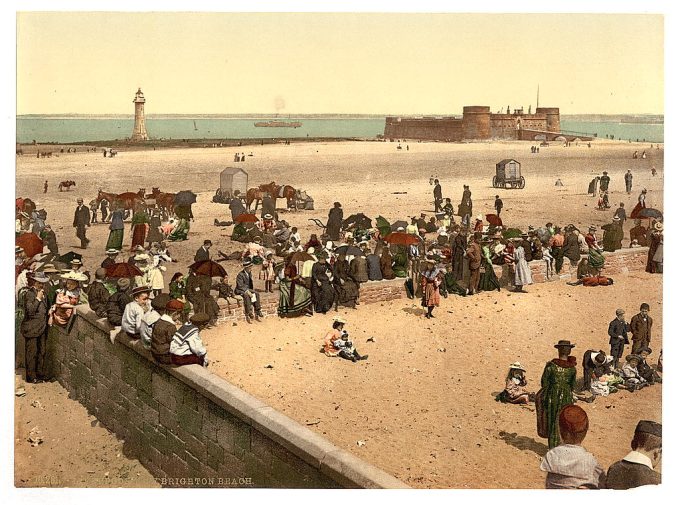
437, 196
641, 327
198, 293
637, 467
34, 326
498, 204
81, 220
618, 336
244, 287
203, 253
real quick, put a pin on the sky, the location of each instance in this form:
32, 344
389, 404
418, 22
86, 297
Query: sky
410, 63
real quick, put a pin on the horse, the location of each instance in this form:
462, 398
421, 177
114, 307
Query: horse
256, 195
164, 201
127, 201
66, 184
276, 191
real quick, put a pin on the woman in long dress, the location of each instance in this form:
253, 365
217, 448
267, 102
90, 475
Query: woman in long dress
595, 256
522, 270
140, 225
323, 293
294, 297
655, 254
429, 282
489, 280
347, 289
386, 264
117, 229
557, 391
640, 205
334, 221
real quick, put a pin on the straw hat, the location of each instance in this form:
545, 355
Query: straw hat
74, 276
517, 366
111, 252
49, 269
39, 277
338, 319
141, 257
139, 290
658, 226
123, 283
632, 357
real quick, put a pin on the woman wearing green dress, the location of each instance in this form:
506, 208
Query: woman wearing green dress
400, 267
557, 387
180, 231
489, 280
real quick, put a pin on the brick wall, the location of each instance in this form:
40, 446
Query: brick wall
191, 428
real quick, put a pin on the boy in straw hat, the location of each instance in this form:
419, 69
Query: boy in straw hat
569, 465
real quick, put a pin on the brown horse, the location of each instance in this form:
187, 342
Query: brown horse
164, 201
126, 201
276, 191
66, 185
254, 195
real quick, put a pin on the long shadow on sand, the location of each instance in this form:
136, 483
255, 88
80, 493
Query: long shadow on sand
523, 443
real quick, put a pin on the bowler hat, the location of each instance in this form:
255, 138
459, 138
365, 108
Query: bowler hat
650, 427
247, 262
160, 301
564, 343
573, 419
644, 306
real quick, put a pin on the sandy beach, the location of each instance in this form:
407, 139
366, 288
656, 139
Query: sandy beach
423, 402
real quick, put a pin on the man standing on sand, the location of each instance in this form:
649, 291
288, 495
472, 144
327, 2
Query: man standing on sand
621, 213
498, 204
618, 336
437, 192
81, 220
474, 256
629, 181
637, 467
45, 187
604, 182
641, 327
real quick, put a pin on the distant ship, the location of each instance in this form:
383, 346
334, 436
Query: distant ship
279, 124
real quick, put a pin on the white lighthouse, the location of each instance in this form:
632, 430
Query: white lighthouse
139, 131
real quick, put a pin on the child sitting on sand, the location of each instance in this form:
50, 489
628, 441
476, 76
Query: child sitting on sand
515, 383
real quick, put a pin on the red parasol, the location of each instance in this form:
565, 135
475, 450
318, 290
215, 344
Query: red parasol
401, 238
31, 244
301, 256
119, 270
209, 268
494, 220
246, 218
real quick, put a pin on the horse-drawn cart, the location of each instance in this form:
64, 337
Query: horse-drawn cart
508, 175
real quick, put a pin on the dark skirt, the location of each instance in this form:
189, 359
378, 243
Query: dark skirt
489, 280
323, 296
347, 293
115, 240
138, 235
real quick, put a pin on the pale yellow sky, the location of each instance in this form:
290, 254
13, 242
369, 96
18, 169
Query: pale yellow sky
91, 63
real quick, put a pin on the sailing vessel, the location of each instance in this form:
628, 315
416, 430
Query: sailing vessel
195, 127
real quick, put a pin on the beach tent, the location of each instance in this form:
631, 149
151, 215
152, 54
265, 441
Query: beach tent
232, 179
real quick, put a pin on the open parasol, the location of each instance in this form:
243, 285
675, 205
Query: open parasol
398, 224
31, 244
349, 250
512, 233
402, 238
494, 220
649, 214
359, 220
301, 256
246, 218
209, 268
185, 198
383, 226
69, 257
120, 270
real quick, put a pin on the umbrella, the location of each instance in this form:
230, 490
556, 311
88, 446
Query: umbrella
401, 238
69, 257
31, 244
398, 224
650, 214
382, 225
543, 234
119, 270
301, 256
185, 198
349, 250
512, 233
494, 220
209, 268
246, 218
359, 220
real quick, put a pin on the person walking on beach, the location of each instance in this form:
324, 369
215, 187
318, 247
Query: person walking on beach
81, 220
437, 192
628, 178
498, 204
45, 187
604, 182
557, 391
474, 256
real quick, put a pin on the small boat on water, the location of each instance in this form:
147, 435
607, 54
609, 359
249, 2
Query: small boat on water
195, 127
279, 124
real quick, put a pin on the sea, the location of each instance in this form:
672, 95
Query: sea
64, 129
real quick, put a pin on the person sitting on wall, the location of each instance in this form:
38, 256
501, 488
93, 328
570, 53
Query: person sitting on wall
187, 347
131, 321
164, 329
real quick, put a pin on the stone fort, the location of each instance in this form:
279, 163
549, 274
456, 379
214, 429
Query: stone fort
478, 123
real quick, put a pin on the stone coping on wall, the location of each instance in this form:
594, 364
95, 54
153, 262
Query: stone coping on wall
339, 465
